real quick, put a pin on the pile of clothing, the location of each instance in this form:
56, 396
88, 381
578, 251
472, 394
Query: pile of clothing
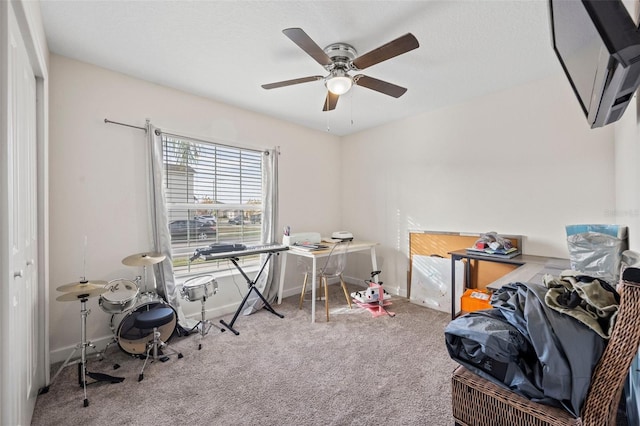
541, 341
493, 241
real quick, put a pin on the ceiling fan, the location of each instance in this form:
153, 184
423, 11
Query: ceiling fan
341, 58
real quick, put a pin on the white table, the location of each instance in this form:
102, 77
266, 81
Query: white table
354, 246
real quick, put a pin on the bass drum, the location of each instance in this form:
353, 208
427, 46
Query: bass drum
133, 340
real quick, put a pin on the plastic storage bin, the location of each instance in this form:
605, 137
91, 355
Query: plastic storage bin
475, 300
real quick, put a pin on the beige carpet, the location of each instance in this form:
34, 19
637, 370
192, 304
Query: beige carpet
354, 370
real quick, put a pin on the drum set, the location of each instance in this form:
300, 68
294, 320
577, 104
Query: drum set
146, 321
124, 300
141, 321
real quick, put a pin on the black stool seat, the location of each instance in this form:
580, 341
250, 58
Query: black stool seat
154, 318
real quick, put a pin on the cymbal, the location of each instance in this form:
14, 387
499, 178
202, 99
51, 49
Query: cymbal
144, 259
82, 285
81, 294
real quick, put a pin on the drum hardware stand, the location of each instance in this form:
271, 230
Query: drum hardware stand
82, 362
114, 339
144, 279
153, 320
205, 324
252, 287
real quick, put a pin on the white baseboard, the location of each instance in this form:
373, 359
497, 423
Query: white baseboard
349, 280
59, 355
216, 312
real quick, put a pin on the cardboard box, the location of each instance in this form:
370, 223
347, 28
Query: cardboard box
475, 300
431, 282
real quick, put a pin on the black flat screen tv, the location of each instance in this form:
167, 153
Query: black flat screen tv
598, 45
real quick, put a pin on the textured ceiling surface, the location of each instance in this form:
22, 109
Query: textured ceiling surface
225, 50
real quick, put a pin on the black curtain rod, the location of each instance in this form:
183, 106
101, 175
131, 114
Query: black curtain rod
123, 124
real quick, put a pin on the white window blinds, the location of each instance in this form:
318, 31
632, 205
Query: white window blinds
213, 195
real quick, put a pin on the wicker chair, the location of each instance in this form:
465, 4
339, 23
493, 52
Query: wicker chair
480, 402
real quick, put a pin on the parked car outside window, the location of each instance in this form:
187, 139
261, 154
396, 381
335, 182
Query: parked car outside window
238, 220
194, 229
208, 219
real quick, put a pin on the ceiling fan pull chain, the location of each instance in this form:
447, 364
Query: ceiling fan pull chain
327, 117
351, 99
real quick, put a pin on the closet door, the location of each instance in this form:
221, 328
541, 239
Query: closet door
18, 206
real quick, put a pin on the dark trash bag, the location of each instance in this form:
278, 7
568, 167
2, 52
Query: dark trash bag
533, 350
485, 343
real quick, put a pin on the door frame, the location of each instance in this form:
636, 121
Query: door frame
27, 15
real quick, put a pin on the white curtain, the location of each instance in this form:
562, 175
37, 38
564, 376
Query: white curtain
165, 280
269, 217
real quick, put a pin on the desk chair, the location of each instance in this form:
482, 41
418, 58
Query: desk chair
480, 402
332, 268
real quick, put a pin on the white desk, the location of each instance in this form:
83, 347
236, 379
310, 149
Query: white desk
314, 256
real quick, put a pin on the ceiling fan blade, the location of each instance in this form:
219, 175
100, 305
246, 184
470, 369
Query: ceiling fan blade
379, 85
291, 82
299, 37
331, 101
390, 50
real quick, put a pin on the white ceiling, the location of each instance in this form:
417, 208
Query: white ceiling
224, 50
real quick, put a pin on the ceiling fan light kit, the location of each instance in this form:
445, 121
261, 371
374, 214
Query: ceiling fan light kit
340, 58
339, 84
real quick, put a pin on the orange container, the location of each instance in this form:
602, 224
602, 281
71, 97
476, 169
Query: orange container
475, 299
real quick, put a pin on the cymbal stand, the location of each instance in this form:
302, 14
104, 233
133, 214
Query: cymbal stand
82, 362
83, 347
144, 275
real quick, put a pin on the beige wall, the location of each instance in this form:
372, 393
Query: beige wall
627, 173
521, 161
98, 181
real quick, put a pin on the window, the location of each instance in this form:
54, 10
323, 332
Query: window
213, 195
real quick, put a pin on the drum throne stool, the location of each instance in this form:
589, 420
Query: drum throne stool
151, 320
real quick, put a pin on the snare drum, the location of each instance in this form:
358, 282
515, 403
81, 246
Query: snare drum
120, 297
198, 288
134, 340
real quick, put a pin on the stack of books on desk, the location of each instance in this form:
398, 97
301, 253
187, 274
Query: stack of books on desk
308, 246
505, 253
